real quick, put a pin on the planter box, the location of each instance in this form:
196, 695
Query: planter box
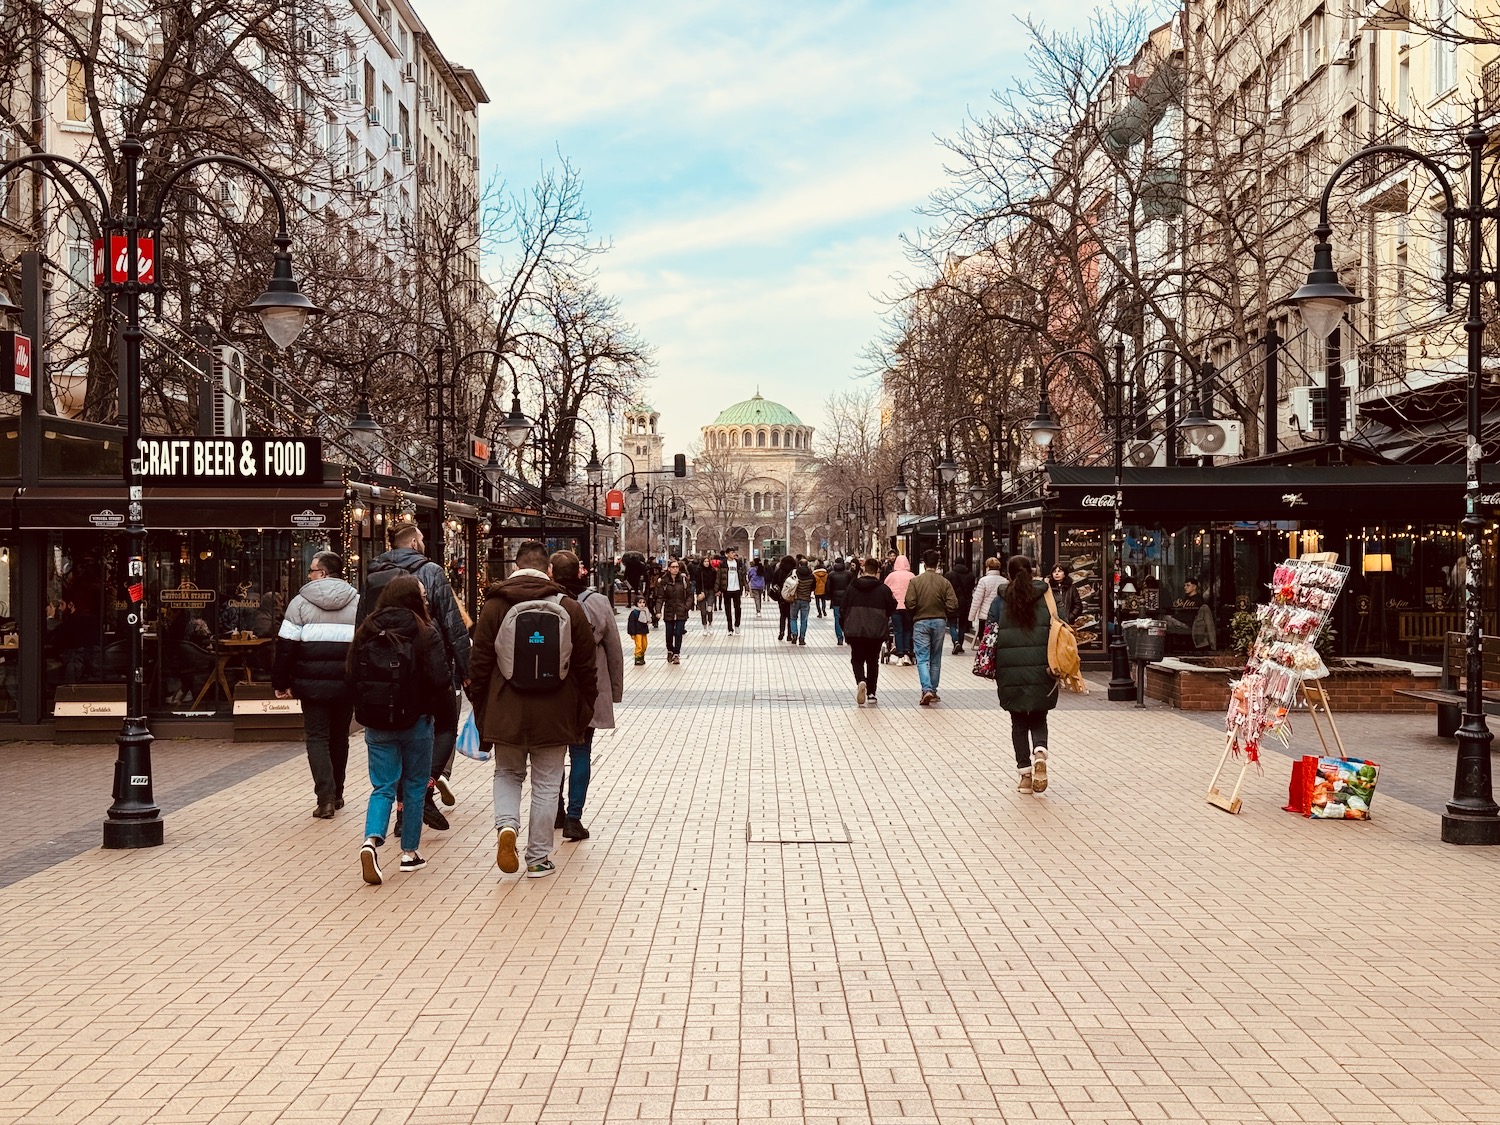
1358, 686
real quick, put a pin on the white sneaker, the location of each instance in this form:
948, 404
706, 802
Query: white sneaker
861, 693
1039, 769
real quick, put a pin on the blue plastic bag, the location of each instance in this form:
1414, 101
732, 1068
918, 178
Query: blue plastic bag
467, 742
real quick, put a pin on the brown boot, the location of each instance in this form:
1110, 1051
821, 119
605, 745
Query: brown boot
1024, 785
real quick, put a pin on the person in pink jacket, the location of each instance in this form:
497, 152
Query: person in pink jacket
898, 580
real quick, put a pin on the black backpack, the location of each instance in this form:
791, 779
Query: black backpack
385, 695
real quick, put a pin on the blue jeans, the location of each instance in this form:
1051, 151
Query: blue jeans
578, 774
956, 631
675, 629
930, 634
799, 619
900, 633
838, 624
404, 757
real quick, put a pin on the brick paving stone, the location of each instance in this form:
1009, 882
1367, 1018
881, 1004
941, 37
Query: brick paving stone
1113, 951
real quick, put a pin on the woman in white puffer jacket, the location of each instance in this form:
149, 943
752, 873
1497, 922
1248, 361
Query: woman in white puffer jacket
986, 590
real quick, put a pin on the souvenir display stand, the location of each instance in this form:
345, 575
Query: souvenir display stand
1283, 665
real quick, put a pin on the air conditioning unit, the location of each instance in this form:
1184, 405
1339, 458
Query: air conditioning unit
226, 192
1307, 409
409, 72
407, 155
1146, 454
229, 402
1276, 110
475, 160
330, 68
1343, 53
395, 139
1222, 439
372, 115
351, 92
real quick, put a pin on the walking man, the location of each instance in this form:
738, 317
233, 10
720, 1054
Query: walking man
408, 556
839, 579
929, 601
732, 581
311, 650
609, 665
866, 614
534, 683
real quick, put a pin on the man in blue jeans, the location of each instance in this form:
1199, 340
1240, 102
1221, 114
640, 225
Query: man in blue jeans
930, 598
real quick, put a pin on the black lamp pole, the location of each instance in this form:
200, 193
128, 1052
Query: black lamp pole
133, 819
1044, 428
1472, 816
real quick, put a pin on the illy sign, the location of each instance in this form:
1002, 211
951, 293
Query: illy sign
15, 363
119, 260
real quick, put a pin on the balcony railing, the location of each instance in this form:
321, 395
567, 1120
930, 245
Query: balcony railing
1381, 364
1489, 85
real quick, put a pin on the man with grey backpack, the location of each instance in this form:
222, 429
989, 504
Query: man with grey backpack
533, 682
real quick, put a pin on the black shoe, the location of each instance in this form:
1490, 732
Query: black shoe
802, 641
573, 829
958, 650
432, 816
397, 830
324, 810
338, 802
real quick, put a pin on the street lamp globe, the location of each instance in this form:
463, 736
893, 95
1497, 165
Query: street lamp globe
283, 309
515, 427
948, 469
1195, 425
1044, 427
632, 488
594, 469
901, 492
364, 431
1322, 301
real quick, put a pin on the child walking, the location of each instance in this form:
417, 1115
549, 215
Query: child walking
639, 627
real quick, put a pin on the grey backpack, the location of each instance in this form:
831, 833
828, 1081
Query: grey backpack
534, 646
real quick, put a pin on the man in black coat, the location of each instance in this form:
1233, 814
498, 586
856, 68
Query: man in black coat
962, 579
839, 579
866, 617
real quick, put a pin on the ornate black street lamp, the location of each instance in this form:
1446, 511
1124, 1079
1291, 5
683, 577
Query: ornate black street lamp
1044, 428
133, 820
1472, 817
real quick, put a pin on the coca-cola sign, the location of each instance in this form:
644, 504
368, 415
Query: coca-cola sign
1105, 500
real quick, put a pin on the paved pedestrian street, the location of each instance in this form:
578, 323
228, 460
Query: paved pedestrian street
790, 910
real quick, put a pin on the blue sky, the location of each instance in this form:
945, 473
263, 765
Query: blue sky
753, 165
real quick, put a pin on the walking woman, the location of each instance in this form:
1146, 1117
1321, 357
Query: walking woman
783, 571
1025, 686
757, 583
675, 596
398, 672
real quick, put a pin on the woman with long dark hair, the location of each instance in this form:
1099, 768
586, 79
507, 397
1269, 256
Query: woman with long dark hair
1026, 687
398, 671
783, 571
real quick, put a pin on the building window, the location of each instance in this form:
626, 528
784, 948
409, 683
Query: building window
775, 439
734, 439
760, 439
1444, 51
78, 105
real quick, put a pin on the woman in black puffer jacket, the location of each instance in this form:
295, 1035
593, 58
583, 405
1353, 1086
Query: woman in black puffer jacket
1025, 686
783, 571
675, 594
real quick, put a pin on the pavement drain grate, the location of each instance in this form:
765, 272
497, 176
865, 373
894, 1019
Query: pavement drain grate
796, 832
779, 697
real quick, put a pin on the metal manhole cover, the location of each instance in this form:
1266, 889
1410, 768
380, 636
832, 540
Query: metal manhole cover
796, 832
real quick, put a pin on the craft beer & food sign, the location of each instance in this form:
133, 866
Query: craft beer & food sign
270, 462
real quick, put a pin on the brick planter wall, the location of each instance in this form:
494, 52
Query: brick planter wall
1349, 689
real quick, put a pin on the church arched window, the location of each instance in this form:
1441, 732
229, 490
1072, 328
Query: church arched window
760, 439
749, 439
734, 438
775, 439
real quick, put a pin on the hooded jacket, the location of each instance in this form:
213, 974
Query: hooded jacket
899, 579
513, 718
806, 582
440, 601
675, 596
820, 581
1022, 680
609, 656
839, 579
785, 567
961, 578
312, 646
991, 586
866, 609
431, 688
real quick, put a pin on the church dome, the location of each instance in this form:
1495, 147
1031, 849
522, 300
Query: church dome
756, 411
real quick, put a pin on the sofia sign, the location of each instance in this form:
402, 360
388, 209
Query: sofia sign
266, 461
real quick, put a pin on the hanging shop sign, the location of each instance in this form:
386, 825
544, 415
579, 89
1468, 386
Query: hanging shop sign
118, 262
187, 595
15, 363
269, 461
309, 518
107, 519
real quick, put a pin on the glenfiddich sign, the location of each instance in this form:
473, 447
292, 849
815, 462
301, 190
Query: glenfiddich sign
262, 461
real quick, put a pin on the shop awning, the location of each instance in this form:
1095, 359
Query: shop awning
94, 508
1365, 493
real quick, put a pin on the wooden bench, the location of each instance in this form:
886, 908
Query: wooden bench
1450, 696
1427, 628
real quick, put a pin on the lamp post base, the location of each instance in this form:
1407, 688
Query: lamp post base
122, 834
1472, 830
1121, 686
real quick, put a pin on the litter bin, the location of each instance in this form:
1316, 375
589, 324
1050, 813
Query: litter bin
1146, 642
1146, 639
